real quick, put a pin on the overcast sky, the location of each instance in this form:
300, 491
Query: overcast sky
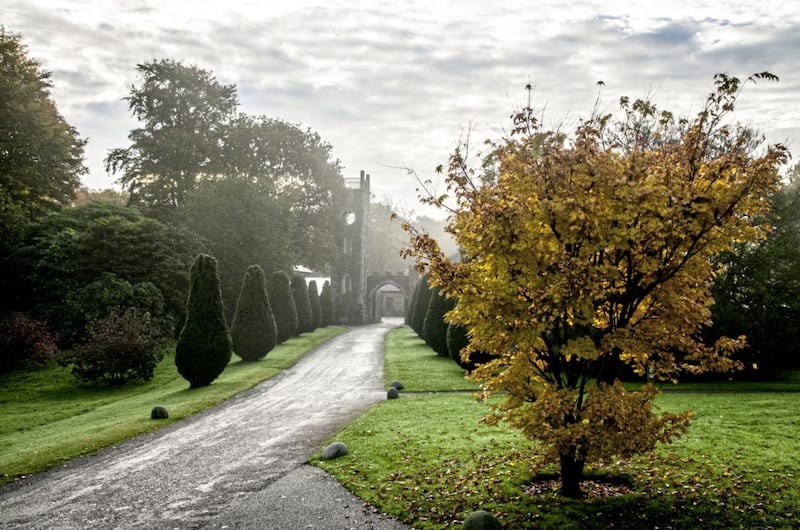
397, 83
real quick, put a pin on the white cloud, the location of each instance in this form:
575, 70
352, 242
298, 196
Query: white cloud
390, 83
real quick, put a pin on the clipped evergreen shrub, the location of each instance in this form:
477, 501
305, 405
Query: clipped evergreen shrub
316, 306
434, 329
204, 345
326, 305
253, 331
411, 304
457, 340
305, 320
421, 302
283, 307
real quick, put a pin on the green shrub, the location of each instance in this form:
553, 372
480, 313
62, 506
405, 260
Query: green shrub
204, 345
121, 348
326, 304
316, 306
409, 319
283, 307
106, 295
434, 329
421, 302
25, 342
305, 319
253, 332
457, 340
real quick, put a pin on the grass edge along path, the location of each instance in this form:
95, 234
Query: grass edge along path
48, 418
429, 462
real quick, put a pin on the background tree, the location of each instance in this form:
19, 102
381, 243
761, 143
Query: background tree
66, 251
253, 331
316, 306
240, 226
758, 294
305, 319
184, 113
326, 304
204, 345
41, 155
586, 256
294, 167
283, 306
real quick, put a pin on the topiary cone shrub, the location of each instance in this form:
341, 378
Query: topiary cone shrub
253, 331
326, 304
204, 345
305, 320
434, 329
457, 340
316, 305
283, 307
420, 309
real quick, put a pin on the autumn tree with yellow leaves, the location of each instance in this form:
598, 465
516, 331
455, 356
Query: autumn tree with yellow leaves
591, 253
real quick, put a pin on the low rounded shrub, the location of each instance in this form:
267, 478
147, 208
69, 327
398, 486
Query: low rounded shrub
121, 348
392, 393
25, 342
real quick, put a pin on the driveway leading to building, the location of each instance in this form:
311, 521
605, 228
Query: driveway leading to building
240, 465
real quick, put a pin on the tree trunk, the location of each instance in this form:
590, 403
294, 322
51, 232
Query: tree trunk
571, 475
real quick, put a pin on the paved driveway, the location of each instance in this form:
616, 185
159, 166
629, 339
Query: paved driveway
239, 465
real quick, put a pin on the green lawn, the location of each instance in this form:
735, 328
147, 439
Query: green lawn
429, 461
47, 417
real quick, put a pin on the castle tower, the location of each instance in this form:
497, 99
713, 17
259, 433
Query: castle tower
349, 272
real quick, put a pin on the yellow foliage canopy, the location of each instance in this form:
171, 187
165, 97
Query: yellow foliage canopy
591, 253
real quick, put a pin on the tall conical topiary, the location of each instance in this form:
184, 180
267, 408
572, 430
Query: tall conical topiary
253, 331
204, 345
280, 296
316, 306
434, 329
457, 340
409, 317
305, 319
421, 306
326, 303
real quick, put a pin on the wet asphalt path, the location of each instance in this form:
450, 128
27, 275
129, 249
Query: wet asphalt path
239, 465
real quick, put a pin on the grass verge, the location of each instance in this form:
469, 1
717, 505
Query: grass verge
409, 360
47, 417
429, 461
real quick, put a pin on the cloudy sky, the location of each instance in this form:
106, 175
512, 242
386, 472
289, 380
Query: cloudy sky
396, 84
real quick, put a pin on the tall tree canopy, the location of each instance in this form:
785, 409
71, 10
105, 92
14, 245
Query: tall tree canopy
758, 294
590, 253
41, 155
185, 113
192, 135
